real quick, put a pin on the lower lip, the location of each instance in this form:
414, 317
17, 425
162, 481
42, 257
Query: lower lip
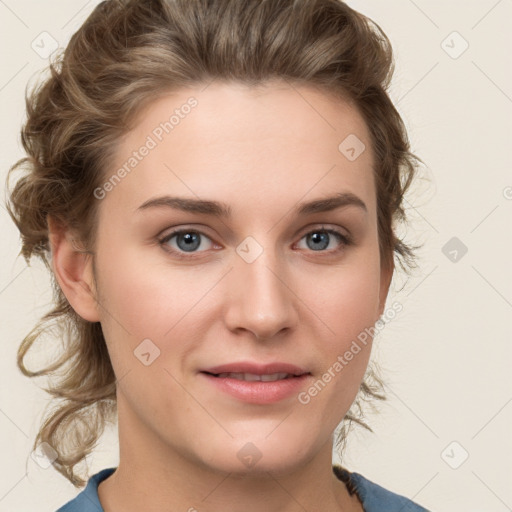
259, 392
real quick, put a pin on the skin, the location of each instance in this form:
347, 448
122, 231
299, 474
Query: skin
262, 151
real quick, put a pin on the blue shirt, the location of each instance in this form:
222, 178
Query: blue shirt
373, 497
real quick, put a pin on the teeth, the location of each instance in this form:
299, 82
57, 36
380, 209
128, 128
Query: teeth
253, 377
274, 376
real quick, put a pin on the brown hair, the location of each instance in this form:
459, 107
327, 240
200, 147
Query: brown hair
125, 55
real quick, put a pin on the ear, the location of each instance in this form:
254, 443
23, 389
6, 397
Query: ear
386, 274
72, 266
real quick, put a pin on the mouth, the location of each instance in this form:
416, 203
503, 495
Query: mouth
257, 384
253, 377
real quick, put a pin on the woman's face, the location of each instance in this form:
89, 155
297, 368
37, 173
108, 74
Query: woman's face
269, 284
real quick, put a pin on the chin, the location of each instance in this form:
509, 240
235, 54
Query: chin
259, 456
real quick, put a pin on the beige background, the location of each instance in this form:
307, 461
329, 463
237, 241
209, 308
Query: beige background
447, 355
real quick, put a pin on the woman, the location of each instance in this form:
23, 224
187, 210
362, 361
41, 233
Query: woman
214, 186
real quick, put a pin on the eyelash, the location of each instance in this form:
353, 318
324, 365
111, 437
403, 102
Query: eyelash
345, 241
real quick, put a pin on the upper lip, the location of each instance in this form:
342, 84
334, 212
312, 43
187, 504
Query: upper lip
256, 368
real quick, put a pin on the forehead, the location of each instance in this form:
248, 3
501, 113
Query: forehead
244, 144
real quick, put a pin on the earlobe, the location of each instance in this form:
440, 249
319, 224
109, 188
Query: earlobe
72, 266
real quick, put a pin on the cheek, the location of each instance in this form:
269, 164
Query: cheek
145, 300
140, 300
142, 306
349, 311
347, 306
346, 302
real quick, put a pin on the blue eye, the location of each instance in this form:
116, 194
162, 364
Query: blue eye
321, 238
188, 242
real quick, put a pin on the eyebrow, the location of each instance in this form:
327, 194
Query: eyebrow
219, 209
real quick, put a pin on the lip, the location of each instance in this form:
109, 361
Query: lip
257, 368
257, 392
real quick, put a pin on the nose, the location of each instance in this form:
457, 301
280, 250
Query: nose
261, 300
